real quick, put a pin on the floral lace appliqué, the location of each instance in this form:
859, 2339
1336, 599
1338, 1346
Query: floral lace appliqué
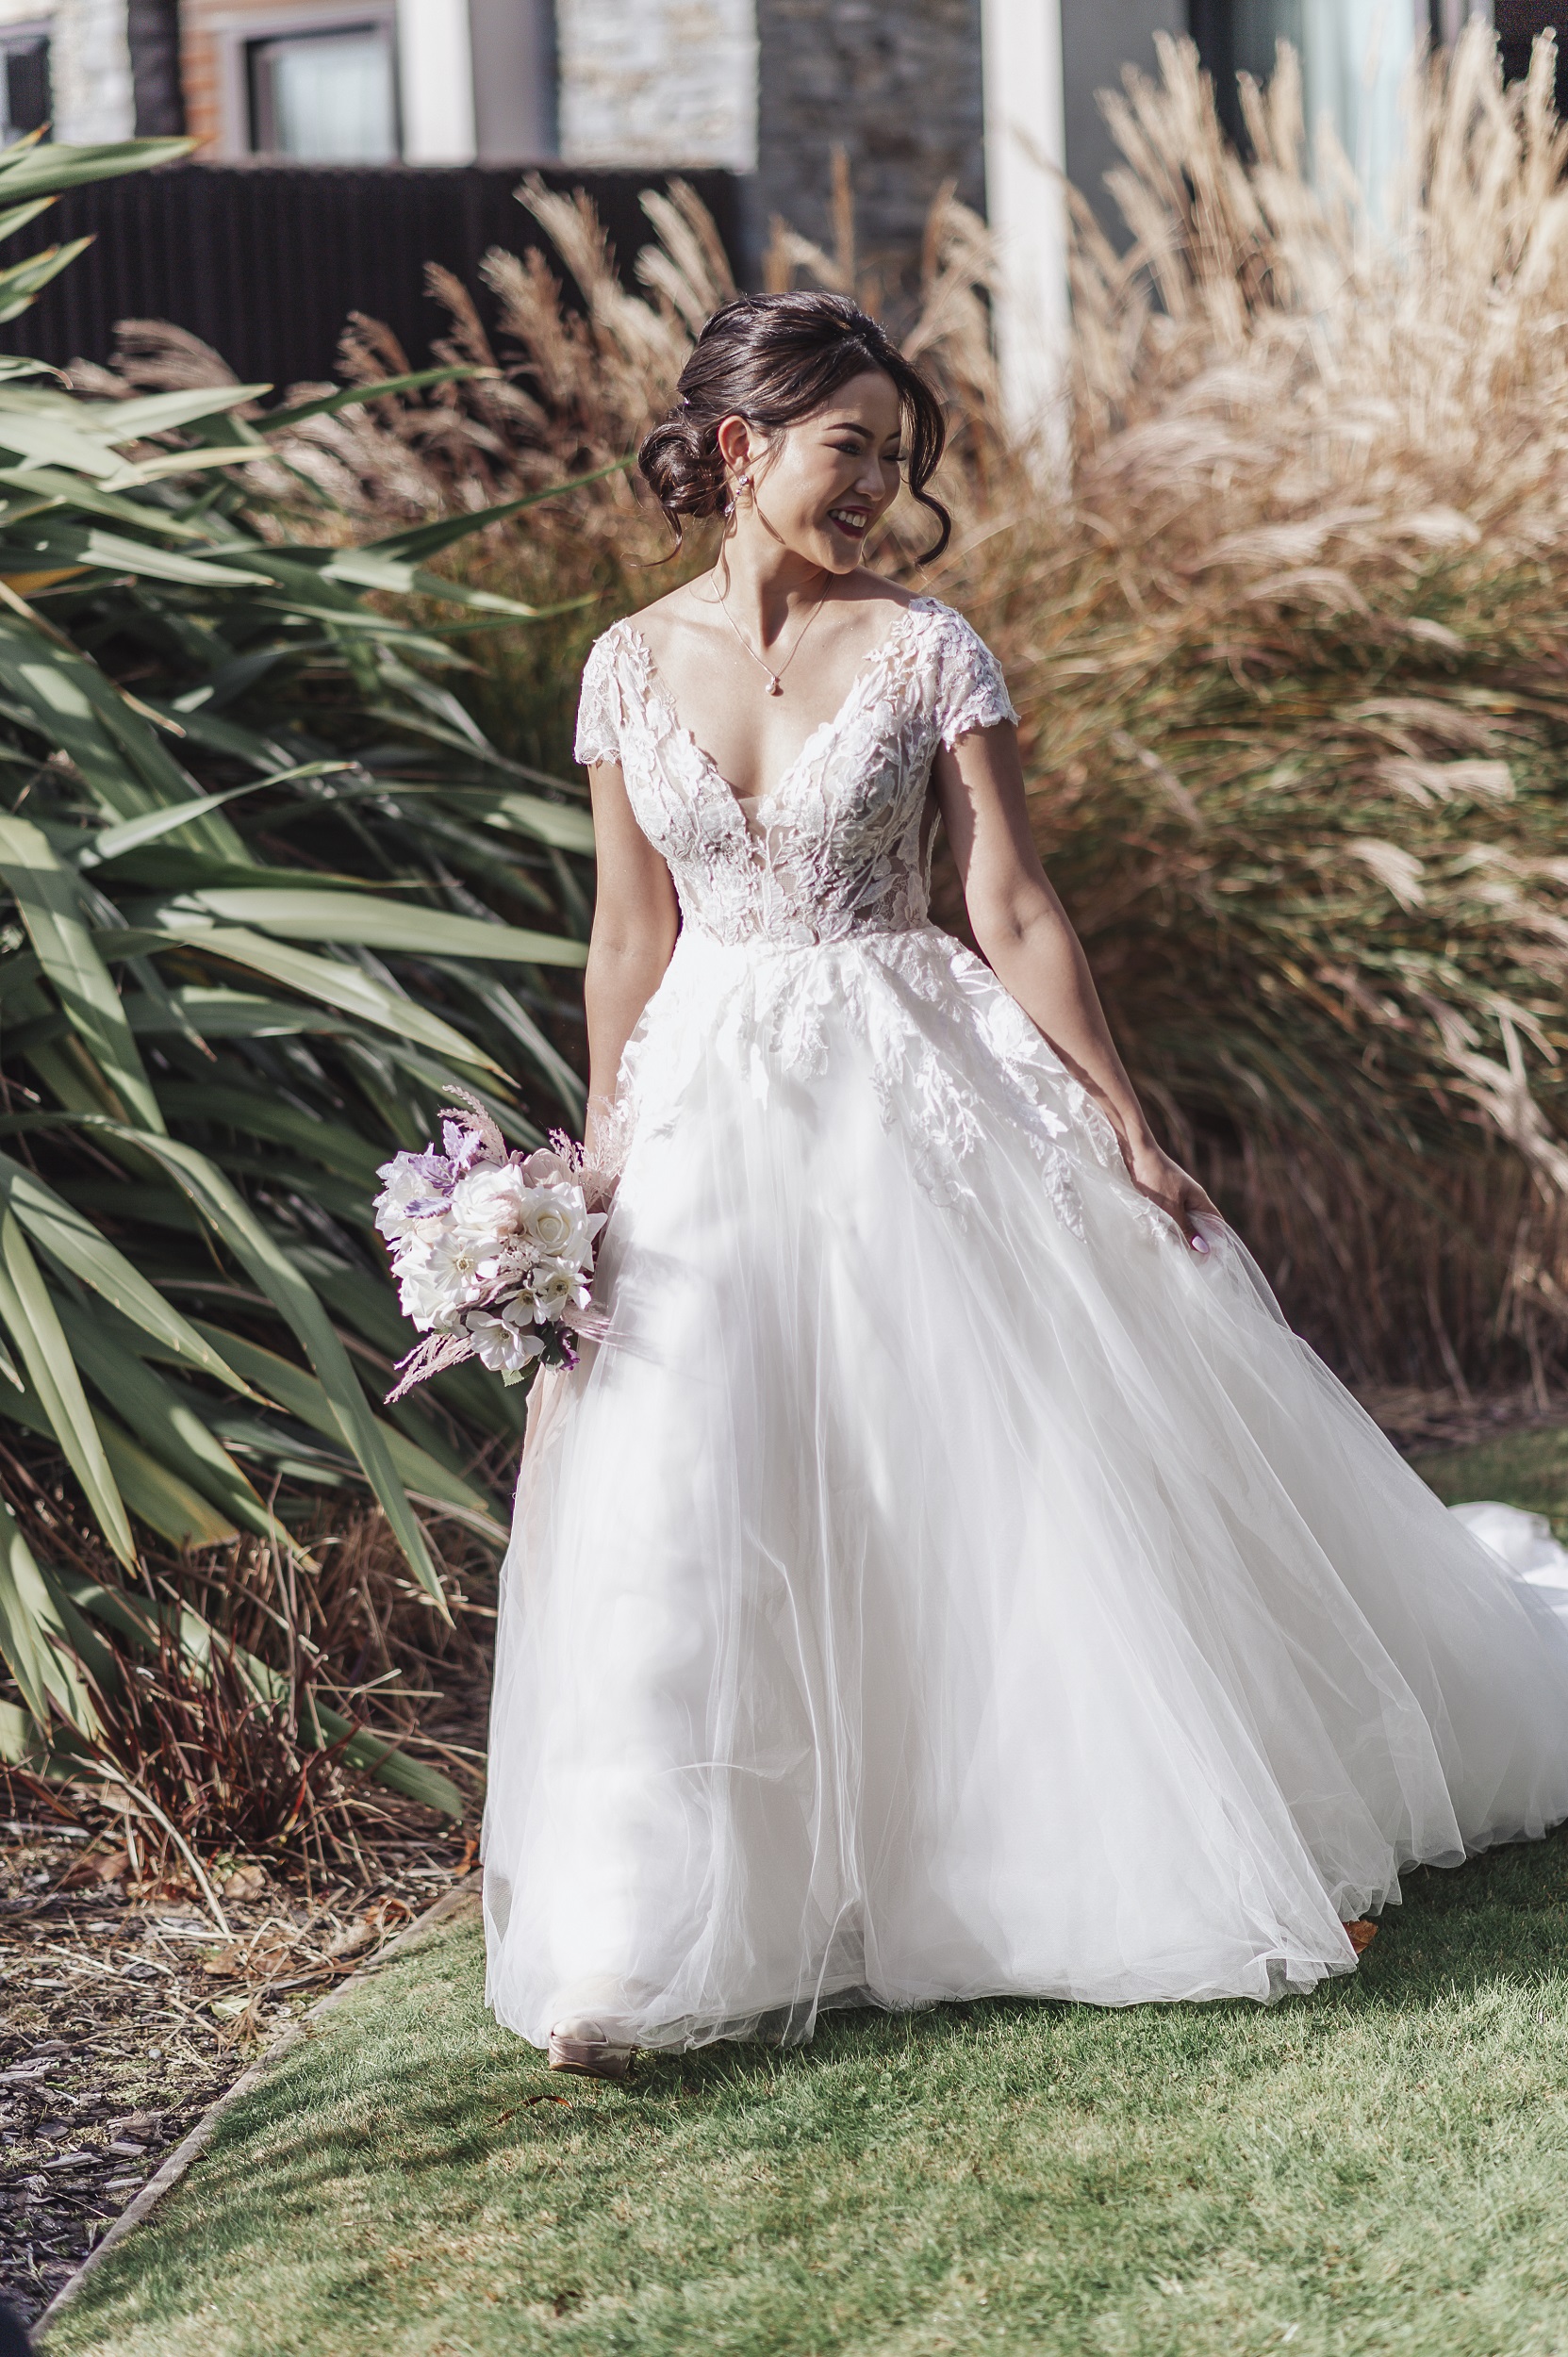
832, 856
834, 847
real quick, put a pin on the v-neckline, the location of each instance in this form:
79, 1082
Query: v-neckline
749, 805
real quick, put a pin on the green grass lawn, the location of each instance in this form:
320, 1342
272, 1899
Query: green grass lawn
1525, 1469
1383, 2167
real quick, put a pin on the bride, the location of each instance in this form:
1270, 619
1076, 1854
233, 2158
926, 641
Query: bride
949, 1577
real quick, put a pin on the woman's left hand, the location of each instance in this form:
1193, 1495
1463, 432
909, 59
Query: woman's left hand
1165, 1182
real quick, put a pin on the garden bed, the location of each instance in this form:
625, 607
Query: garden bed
128, 2011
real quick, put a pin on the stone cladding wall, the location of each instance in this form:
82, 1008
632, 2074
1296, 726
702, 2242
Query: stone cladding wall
898, 88
664, 82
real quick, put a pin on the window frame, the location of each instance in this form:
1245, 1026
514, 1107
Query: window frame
12, 36
237, 33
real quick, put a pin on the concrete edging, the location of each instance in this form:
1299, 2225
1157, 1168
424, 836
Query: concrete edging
461, 1898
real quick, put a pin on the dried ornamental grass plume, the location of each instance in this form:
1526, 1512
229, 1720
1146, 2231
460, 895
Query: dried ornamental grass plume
1295, 660
565, 386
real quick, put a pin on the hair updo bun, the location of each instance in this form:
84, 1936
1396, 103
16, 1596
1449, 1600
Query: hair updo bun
774, 359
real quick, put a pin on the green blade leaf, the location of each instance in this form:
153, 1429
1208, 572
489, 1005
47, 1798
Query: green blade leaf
130, 836
555, 823
121, 421
225, 1015
51, 543
34, 1643
46, 898
17, 217
346, 987
300, 1394
330, 1143
21, 286
29, 1316
369, 1753
159, 1496
278, 420
52, 440
77, 712
176, 462
43, 486
45, 170
429, 539
76, 1245
375, 923
237, 1226
167, 1418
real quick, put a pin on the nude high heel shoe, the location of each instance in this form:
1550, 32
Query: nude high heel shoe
582, 2049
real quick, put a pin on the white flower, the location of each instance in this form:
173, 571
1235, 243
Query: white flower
497, 1202
438, 1274
503, 1341
558, 1222
556, 1285
416, 1188
489, 1199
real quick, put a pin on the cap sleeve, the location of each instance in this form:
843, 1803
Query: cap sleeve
972, 692
599, 706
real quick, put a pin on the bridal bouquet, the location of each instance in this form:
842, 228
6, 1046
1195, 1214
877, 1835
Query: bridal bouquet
492, 1251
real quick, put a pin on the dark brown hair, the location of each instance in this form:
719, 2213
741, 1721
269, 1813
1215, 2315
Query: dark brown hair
774, 359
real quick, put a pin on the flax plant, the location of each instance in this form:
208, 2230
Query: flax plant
268, 896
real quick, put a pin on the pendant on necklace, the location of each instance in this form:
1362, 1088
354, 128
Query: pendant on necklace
775, 685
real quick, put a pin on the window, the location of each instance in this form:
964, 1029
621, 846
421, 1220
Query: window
23, 80
1354, 59
325, 96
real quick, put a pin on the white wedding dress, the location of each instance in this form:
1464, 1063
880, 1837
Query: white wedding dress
944, 1582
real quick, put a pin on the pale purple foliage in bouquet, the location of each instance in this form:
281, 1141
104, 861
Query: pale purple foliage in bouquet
492, 1250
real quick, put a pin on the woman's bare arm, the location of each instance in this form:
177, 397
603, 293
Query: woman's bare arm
1024, 934
635, 919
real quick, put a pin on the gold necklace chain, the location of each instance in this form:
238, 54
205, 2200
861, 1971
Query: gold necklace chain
775, 678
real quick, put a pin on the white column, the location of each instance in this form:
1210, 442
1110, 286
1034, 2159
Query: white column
1358, 54
90, 72
1026, 151
435, 82
1454, 16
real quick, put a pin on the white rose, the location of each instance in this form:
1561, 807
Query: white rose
489, 1201
559, 1223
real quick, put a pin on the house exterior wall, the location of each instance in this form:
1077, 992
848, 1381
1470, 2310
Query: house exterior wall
89, 66
662, 82
898, 89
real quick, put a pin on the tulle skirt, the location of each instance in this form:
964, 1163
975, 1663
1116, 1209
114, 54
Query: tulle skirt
944, 1582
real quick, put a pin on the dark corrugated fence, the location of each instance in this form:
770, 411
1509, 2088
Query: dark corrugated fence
266, 261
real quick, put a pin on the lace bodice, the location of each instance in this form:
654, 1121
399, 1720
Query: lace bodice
833, 848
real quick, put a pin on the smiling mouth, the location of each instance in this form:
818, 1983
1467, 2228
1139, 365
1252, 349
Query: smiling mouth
856, 521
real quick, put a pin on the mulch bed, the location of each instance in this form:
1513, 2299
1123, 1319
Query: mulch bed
1419, 1421
127, 2010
